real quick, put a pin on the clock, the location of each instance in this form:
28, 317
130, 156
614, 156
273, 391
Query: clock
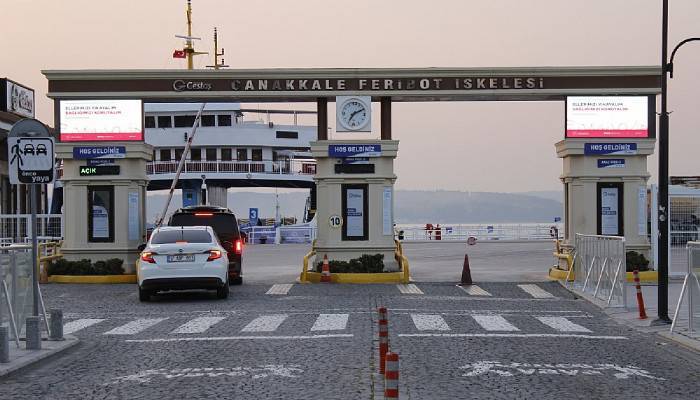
353, 113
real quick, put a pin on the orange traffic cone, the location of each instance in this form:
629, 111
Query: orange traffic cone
325, 270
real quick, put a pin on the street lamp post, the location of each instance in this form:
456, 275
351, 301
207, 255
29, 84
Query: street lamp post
666, 68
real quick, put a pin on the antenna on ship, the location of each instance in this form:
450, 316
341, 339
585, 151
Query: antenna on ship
188, 51
217, 54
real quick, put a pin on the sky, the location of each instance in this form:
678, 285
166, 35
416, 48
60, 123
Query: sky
471, 146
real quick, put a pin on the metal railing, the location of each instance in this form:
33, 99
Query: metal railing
461, 232
280, 234
690, 314
16, 296
17, 228
280, 167
600, 268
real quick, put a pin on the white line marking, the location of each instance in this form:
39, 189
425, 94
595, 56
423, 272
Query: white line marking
265, 323
429, 322
536, 291
280, 288
494, 323
221, 338
409, 289
78, 324
330, 322
512, 335
135, 326
198, 325
562, 324
474, 290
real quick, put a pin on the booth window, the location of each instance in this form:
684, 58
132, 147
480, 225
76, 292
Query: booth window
355, 210
610, 207
100, 213
165, 121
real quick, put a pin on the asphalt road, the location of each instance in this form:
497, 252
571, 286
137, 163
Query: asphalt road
430, 262
500, 340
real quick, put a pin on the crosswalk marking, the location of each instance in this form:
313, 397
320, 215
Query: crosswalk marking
409, 289
330, 322
135, 326
536, 291
198, 325
562, 324
265, 323
429, 322
474, 290
494, 323
280, 288
78, 324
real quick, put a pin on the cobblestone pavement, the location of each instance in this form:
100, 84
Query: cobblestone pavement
494, 341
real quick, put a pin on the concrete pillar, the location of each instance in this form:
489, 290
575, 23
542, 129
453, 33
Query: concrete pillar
33, 332
56, 325
585, 174
216, 195
126, 225
4, 344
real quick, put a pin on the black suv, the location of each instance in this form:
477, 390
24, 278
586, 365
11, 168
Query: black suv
225, 224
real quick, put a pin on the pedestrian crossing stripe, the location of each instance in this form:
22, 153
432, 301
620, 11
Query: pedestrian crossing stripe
427, 322
280, 289
536, 291
409, 289
474, 290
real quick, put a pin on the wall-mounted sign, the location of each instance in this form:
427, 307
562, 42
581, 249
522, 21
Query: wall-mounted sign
620, 149
611, 163
354, 211
16, 99
608, 117
99, 161
356, 160
87, 152
100, 120
354, 150
354, 168
610, 208
31, 159
99, 170
335, 221
387, 217
253, 216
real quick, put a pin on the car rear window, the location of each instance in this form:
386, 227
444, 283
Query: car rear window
184, 235
225, 225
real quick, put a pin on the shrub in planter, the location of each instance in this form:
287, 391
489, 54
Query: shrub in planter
113, 266
636, 261
365, 264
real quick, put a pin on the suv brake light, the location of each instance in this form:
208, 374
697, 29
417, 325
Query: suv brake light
147, 256
203, 214
214, 254
238, 246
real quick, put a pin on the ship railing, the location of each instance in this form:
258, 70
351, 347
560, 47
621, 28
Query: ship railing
280, 167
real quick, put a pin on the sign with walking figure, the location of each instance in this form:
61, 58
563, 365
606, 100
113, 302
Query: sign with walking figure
30, 153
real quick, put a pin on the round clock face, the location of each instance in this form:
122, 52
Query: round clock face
353, 114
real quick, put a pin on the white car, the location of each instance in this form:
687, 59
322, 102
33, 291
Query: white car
181, 258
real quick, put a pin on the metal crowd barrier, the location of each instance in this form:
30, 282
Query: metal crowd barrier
16, 299
600, 268
691, 289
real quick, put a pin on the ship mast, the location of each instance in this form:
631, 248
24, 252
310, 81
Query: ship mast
189, 44
217, 54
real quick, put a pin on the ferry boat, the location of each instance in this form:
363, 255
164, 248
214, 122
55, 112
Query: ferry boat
232, 147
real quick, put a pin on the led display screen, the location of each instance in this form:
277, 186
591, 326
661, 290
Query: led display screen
101, 120
608, 117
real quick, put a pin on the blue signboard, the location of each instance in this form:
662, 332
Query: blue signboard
354, 150
87, 152
610, 148
253, 216
557, 219
99, 161
611, 163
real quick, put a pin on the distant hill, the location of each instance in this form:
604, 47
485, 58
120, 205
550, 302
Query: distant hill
411, 206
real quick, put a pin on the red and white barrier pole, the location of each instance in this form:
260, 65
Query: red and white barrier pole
391, 377
383, 338
640, 298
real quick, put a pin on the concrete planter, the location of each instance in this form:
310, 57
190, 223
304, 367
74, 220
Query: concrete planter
384, 277
127, 278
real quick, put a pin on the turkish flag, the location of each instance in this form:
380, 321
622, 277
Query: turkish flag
179, 54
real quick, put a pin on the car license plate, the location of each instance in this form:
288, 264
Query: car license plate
181, 258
